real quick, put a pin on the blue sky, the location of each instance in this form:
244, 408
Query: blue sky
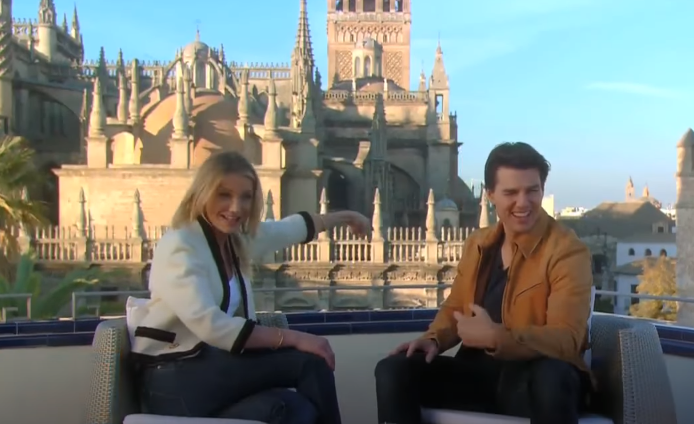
603, 88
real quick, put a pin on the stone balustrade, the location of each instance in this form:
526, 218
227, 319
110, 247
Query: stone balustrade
396, 245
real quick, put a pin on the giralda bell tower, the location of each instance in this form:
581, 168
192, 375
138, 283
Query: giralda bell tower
386, 21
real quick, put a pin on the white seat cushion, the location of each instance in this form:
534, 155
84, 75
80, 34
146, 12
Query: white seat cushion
164, 419
442, 416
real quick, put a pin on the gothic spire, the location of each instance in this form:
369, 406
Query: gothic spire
303, 50
75, 24
439, 78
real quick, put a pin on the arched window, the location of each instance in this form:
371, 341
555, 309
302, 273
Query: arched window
367, 66
648, 252
631, 252
663, 253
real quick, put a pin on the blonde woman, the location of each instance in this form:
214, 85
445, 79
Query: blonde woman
198, 348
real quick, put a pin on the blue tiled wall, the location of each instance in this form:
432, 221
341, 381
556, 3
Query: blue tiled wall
675, 340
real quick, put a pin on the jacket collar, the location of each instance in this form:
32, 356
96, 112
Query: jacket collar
526, 242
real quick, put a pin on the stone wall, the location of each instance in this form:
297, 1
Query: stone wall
317, 285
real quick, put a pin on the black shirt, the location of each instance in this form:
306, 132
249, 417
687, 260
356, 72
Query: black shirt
494, 294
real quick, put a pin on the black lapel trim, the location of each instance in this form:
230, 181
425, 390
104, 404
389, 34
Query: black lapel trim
217, 255
155, 334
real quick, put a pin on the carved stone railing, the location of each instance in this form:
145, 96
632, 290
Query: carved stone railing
371, 96
397, 245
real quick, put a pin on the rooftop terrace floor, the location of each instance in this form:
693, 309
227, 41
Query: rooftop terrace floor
44, 367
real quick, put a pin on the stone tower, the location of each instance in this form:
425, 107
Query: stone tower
6, 66
386, 21
47, 30
685, 226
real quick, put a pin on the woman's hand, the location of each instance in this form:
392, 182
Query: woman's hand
358, 223
317, 345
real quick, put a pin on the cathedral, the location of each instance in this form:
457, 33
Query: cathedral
123, 139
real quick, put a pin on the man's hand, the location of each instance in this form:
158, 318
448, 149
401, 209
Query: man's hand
478, 331
427, 346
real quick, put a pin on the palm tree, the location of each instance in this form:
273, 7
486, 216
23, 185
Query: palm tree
46, 305
18, 174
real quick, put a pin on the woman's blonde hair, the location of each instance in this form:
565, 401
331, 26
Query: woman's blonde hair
204, 186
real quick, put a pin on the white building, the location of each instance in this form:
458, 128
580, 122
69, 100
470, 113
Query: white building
572, 212
632, 253
548, 204
641, 246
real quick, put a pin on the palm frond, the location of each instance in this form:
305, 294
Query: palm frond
25, 271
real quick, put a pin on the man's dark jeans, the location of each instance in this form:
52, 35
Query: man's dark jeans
250, 386
547, 391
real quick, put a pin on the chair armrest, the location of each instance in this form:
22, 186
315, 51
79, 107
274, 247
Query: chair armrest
272, 319
628, 363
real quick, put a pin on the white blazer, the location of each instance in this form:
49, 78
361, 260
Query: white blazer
191, 293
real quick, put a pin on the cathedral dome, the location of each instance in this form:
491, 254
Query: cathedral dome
196, 50
446, 204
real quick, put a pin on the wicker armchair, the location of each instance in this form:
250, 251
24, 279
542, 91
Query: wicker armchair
112, 396
629, 366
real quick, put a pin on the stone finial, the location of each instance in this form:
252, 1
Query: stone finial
82, 218
323, 202
221, 54
422, 80
180, 118
271, 112
308, 121
137, 215
484, 208
646, 192
269, 204
134, 107
431, 216
377, 218
97, 117
187, 91
122, 111
120, 62
243, 102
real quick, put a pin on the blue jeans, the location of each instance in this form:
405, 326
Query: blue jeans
250, 386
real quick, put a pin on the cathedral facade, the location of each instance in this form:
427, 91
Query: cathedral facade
124, 138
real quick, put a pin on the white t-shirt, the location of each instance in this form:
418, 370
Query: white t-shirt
235, 301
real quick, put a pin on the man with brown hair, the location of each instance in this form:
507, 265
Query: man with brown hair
520, 305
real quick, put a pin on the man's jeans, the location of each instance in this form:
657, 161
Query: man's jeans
547, 391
